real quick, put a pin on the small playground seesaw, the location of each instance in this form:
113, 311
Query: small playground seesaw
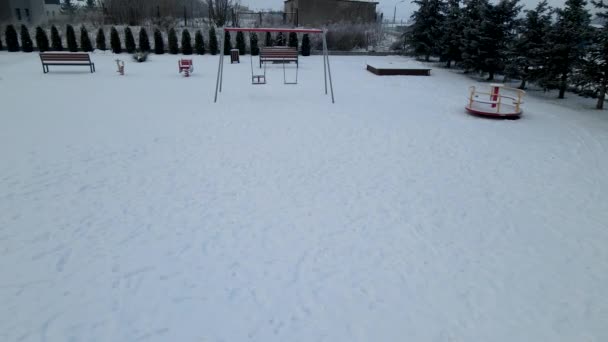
497, 102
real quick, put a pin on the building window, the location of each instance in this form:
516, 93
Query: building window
53, 14
27, 14
18, 12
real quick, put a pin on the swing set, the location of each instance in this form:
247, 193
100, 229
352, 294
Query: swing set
283, 55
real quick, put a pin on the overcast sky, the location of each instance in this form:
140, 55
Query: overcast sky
404, 9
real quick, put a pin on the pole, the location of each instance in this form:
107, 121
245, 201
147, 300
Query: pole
222, 63
324, 62
219, 68
331, 87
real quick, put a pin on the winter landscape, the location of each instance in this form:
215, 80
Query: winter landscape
135, 208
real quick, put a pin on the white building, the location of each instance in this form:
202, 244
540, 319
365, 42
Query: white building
29, 12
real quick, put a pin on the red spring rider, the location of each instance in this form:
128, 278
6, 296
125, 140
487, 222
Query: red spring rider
185, 66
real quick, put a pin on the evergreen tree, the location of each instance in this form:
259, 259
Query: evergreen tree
426, 32
595, 63
186, 42
159, 44
26, 41
306, 45
85, 40
293, 40
473, 13
199, 43
268, 41
253, 44
213, 45
12, 42
71, 38
227, 43
56, 43
451, 33
280, 41
173, 46
144, 42
129, 40
101, 40
91, 4
240, 43
567, 43
115, 41
591, 77
498, 36
528, 57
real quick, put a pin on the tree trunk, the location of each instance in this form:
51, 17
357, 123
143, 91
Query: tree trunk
449, 65
491, 76
602, 95
522, 85
427, 58
563, 85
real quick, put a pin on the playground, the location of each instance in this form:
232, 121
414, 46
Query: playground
135, 208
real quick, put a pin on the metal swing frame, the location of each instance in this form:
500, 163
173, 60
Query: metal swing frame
256, 79
326, 66
284, 73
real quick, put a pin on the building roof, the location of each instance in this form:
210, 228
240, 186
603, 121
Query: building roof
361, 1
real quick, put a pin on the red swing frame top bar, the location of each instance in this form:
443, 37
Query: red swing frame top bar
261, 29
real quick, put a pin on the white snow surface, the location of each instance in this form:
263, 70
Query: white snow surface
135, 209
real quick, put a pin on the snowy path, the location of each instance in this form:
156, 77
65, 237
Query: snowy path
134, 209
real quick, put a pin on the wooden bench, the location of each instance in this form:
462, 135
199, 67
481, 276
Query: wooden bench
65, 58
278, 54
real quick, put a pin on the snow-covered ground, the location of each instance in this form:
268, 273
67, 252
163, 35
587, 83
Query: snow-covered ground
135, 209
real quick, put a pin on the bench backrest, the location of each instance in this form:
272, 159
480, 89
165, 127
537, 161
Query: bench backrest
279, 52
77, 57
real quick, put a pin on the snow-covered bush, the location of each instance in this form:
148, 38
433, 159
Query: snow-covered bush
240, 43
199, 43
115, 41
186, 42
129, 40
56, 43
159, 44
42, 41
306, 45
12, 42
144, 42
173, 46
71, 38
26, 41
227, 43
253, 44
213, 45
101, 40
85, 41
